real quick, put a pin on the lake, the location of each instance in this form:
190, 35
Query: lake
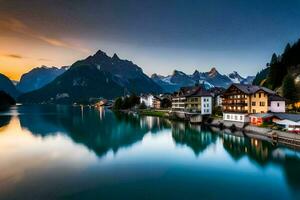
62, 152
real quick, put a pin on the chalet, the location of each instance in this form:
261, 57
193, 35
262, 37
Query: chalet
192, 99
241, 100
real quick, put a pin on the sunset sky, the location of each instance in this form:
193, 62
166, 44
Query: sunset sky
159, 36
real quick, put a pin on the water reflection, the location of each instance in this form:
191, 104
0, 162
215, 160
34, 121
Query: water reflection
88, 126
186, 134
46, 146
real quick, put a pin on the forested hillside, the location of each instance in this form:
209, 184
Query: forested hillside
283, 73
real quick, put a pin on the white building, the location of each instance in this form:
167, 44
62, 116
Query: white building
276, 104
291, 122
147, 99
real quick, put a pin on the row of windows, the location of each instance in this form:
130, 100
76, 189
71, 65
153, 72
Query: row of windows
261, 103
235, 117
260, 95
193, 99
206, 110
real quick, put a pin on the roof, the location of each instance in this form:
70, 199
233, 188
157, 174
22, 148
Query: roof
198, 90
291, 117
215, 91
251, 89
276, 97
262, 115
201, 93
286, 121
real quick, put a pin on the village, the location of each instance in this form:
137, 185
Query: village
239, 107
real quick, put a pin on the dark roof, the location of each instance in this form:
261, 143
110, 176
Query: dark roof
292, 117
276, 97
193, 91
201, 93
263, 115
251, 89
216, 91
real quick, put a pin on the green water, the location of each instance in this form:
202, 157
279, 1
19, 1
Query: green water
60, 152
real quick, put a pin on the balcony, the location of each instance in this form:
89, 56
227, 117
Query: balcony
232, 103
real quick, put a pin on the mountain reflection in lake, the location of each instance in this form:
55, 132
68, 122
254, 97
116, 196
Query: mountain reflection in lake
61, 152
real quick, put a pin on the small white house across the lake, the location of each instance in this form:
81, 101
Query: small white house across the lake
147, 99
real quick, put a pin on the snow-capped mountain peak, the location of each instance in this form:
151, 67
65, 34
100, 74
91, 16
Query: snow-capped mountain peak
235, 77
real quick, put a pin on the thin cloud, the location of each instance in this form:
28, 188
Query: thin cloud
16, 56
18, 26
44, 59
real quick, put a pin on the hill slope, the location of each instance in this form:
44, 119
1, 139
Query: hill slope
39, 77
7, 86
283, 68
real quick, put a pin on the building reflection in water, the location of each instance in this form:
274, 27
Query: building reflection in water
192, 136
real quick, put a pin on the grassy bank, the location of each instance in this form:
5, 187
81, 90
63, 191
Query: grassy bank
156, 113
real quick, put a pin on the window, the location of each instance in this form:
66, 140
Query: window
228, 116
241, 118
262, 103
278, 104
253, 103
259, 95
254, 111
235, 117
254, 95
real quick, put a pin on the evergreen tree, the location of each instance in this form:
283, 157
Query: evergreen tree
274, 59
274, 70
118, 104
289, 88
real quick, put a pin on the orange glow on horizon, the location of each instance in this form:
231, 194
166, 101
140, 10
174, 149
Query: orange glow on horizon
23, 48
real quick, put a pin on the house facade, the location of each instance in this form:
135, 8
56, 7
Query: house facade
157, 102
192, 99
241, 100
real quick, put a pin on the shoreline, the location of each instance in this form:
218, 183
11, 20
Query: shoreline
274, 136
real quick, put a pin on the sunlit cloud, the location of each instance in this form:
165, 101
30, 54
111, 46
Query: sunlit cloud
17, 26
16, 56
44, 59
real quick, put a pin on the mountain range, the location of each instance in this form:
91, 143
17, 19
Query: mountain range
94, 77
100, 75
38, 77
211, 79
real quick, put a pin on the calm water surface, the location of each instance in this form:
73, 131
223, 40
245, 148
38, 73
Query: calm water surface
60, 152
